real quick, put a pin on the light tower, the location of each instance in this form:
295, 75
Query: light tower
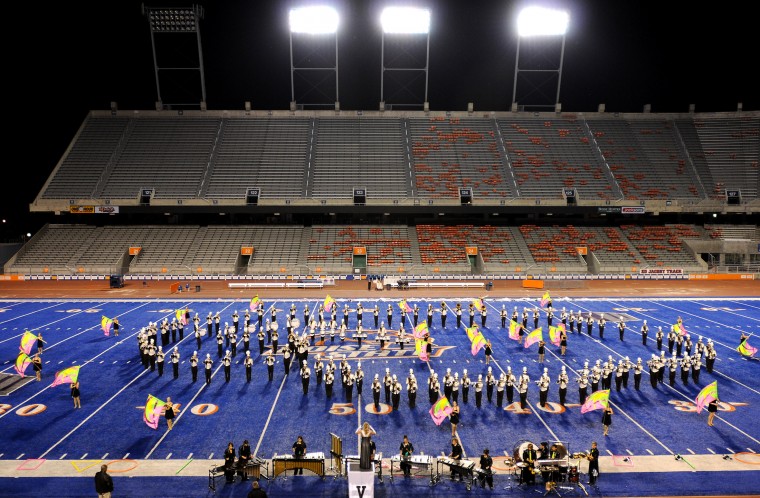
314, 34
178, 30
409, 28
541, 35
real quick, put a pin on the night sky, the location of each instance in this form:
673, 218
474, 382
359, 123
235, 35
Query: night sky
70, 59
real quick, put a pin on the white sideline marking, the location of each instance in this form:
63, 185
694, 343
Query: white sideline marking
710, 450
689, 450
19, 457
83, 456
189, 456
168, 456
104, 456
211, 456
63, 456
650, 452
629, 452
125, 456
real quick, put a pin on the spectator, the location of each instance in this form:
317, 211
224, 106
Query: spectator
103, 483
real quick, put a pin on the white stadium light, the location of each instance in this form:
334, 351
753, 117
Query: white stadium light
405, 20
539, 21
316, 20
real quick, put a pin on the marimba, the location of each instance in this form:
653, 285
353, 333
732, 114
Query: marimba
424, 462
314, 462
462, 467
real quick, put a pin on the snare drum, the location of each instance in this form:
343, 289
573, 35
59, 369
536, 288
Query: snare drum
572, 475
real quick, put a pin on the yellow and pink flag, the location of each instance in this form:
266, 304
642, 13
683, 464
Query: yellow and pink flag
478, 343
596, 401
477, 303
706, 395
514, 330
27, 341
404, 307
420, 330
329, 303
106, 324
66, 376
440, 410
420, 349
180, 315
745, 349
23, 361
545, 299
154, 408
255, 301
534, 337
555, 333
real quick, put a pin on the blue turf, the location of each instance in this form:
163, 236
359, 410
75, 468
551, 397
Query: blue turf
114, 385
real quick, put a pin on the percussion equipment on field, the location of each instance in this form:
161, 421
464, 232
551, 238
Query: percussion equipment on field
314, 462
462, 467
274, 327
295, 323
424, 462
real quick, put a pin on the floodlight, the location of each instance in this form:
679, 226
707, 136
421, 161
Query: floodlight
539, 21
315, 20
405, 20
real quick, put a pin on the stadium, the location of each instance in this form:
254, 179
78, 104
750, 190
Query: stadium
187, 219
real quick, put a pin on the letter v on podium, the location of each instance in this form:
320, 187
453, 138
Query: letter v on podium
360, 490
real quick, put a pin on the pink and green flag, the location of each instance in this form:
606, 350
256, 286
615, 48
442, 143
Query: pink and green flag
180, 315
555, 334
420, 349
745, 349
472, 332
154, 408
596, 401
420, 330
478, 343
23, 361
709, 393
545, 299
66, 376
534, 337
254, 303
106, 324
440, 410
27, 341
514, 330
329, 303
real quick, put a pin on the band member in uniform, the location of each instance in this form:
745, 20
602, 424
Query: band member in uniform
563, 342
388, 382
455, 388
543, 387
170, 412
503, 315
644, 333
198, 337
299, 451
563, 381
269, 360
244, 456
329, 378
227, 362
390, 315
207, 364
638, 368
219, 344
396, 389
536, 316
501, 384
359, 378
471, 312
405, 451
160, 361
465, 386
490, 383
486, 473
305, 374
175, 362
430, 316
582, 388
376, 388
541, 352
458, 312
479, 390
511, 381
658, 337
248, 363
589, 323
483, 315
488, 351
522, 388
415, 314
529, 459
621, 328
275, 338
411, 389
194, 365
348, 384
318, 367
456, 455
593, 464
229, 462
602, 323
444, 312
376, 315
116, 327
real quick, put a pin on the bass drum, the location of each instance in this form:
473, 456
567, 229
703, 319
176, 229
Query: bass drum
274, 327
295, 323
572, 474
521, 446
